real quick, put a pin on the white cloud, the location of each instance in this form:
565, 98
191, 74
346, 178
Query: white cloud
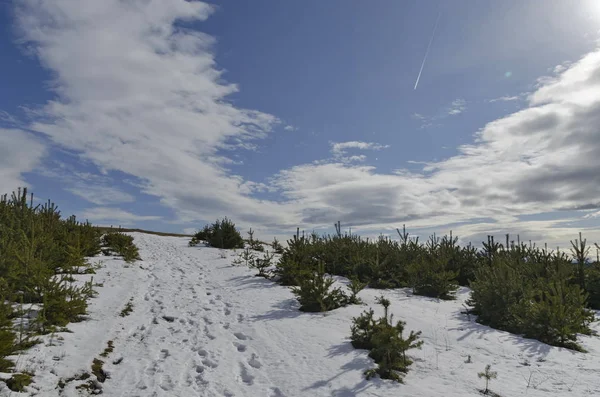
539, 159
290, 128
457, 107
20, 152
506, 98
8, 118
115, 215
101, 195
592, 215
340, 148
138, 95
94, 188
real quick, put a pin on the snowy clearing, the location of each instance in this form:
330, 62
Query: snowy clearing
202, 327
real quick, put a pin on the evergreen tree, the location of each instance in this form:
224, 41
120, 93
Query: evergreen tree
315, 294
488, 375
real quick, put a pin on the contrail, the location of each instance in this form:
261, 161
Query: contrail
428, 47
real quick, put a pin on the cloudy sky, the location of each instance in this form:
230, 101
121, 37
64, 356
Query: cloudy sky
168, 114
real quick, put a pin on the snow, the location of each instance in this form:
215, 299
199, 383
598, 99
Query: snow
202, 327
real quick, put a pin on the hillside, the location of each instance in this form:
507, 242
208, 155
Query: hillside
202, 327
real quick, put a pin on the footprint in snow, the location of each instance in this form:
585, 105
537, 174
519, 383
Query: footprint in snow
241, 336
208, 334
164, 353
227, 312
240, 318
142, 385
276, 392
151, 370
247, 378
202, 353
210, 363
240, 347
253, 362
166, 383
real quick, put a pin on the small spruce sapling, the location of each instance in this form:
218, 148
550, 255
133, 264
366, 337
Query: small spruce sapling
277, 247
315, 292
488, 374
385, 341
254, 244
355, 287
248, 257
362, 330
262, 264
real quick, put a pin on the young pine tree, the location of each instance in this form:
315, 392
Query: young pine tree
355, 287
262, 264
389, 347
315, 294
488, 375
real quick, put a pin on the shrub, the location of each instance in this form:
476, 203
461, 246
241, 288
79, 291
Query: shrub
247, 257
62, 304
254, 244
315, 294
39, 252
204, 234
355, 287
429, 276
555, 313
221, 234
262, 264
18, 382
488, 374
277, 247
121, 244
592, 285
362, 330
127, 309
7, 335
289, 272
385, 341
537, 296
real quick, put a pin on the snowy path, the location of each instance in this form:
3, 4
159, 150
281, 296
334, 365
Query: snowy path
201, 327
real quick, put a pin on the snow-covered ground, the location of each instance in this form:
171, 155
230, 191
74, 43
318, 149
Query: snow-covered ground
202, 327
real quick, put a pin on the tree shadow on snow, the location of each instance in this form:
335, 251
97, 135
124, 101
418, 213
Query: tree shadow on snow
287, 308
252, 282
361, 362
472, 328
341, 349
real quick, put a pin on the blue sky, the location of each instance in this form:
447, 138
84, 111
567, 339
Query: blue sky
168, 114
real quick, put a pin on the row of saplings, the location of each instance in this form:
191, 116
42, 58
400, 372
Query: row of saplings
520, 288
40, 253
